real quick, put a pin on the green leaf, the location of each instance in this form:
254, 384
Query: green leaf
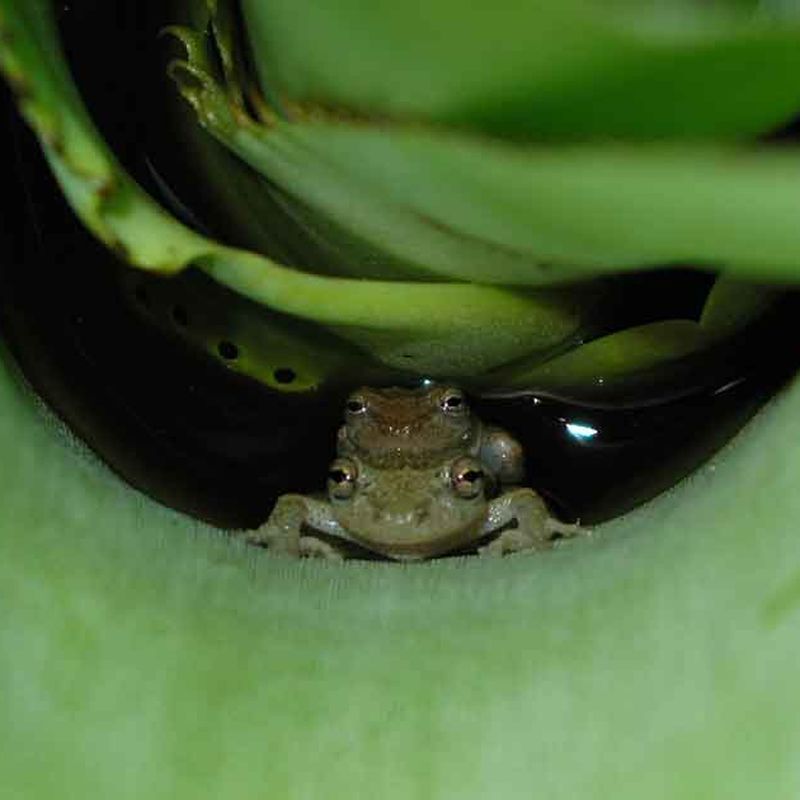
734, 303
483, 210
388, 237
658, 354
438, 328
145, 655
534, 214
113, 207
581, 210
561, 69
441, 327
603, 366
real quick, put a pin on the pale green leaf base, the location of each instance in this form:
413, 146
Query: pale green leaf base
144, 656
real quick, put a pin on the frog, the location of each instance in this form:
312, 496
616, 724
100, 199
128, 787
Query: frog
417, 475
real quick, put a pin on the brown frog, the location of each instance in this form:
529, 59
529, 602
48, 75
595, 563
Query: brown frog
417, 475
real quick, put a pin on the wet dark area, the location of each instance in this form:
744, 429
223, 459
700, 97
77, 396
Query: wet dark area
170, 420
117, 56
207, 441
123, 79
196, 436
597, 463
122, 76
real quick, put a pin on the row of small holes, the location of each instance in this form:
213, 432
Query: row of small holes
227, 350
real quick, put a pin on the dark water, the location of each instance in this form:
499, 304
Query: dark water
202, 439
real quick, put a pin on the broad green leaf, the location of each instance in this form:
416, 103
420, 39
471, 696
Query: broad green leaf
244, 207
602, 367
493, 212
388, 237
147, 656
585, 209
534, 214
278, 351
550, 68
733, 303
441, 327
658, 354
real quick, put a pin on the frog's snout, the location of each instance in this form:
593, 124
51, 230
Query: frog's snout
400, 514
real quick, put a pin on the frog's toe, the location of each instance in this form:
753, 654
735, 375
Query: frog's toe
512, 540
289, 513
281, 532
276, 540
566, 530
312, 547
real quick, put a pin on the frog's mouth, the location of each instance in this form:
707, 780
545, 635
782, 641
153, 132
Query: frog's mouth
403, 539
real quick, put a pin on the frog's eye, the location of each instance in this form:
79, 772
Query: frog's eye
453, 402
468, 478
355, 405
342, 477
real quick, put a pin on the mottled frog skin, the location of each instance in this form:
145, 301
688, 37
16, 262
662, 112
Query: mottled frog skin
417, 475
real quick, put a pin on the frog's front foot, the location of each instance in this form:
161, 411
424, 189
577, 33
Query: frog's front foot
285, 531
533, 526
312, 547
281, 533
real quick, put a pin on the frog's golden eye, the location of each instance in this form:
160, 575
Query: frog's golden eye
467, 477
342, 477
355, 405
453, 402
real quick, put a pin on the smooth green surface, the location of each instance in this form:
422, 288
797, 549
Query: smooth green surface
142, 655
601, 365
583, 209
145, 656
468, 208
383, 238
569, 69
615, 364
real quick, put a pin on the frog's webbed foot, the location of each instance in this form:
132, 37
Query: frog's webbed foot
313, 547
534, 529
285, 531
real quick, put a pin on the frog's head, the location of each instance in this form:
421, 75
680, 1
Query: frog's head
410, 513
397, 427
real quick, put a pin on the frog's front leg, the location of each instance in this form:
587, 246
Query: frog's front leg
534, 529
285, 530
